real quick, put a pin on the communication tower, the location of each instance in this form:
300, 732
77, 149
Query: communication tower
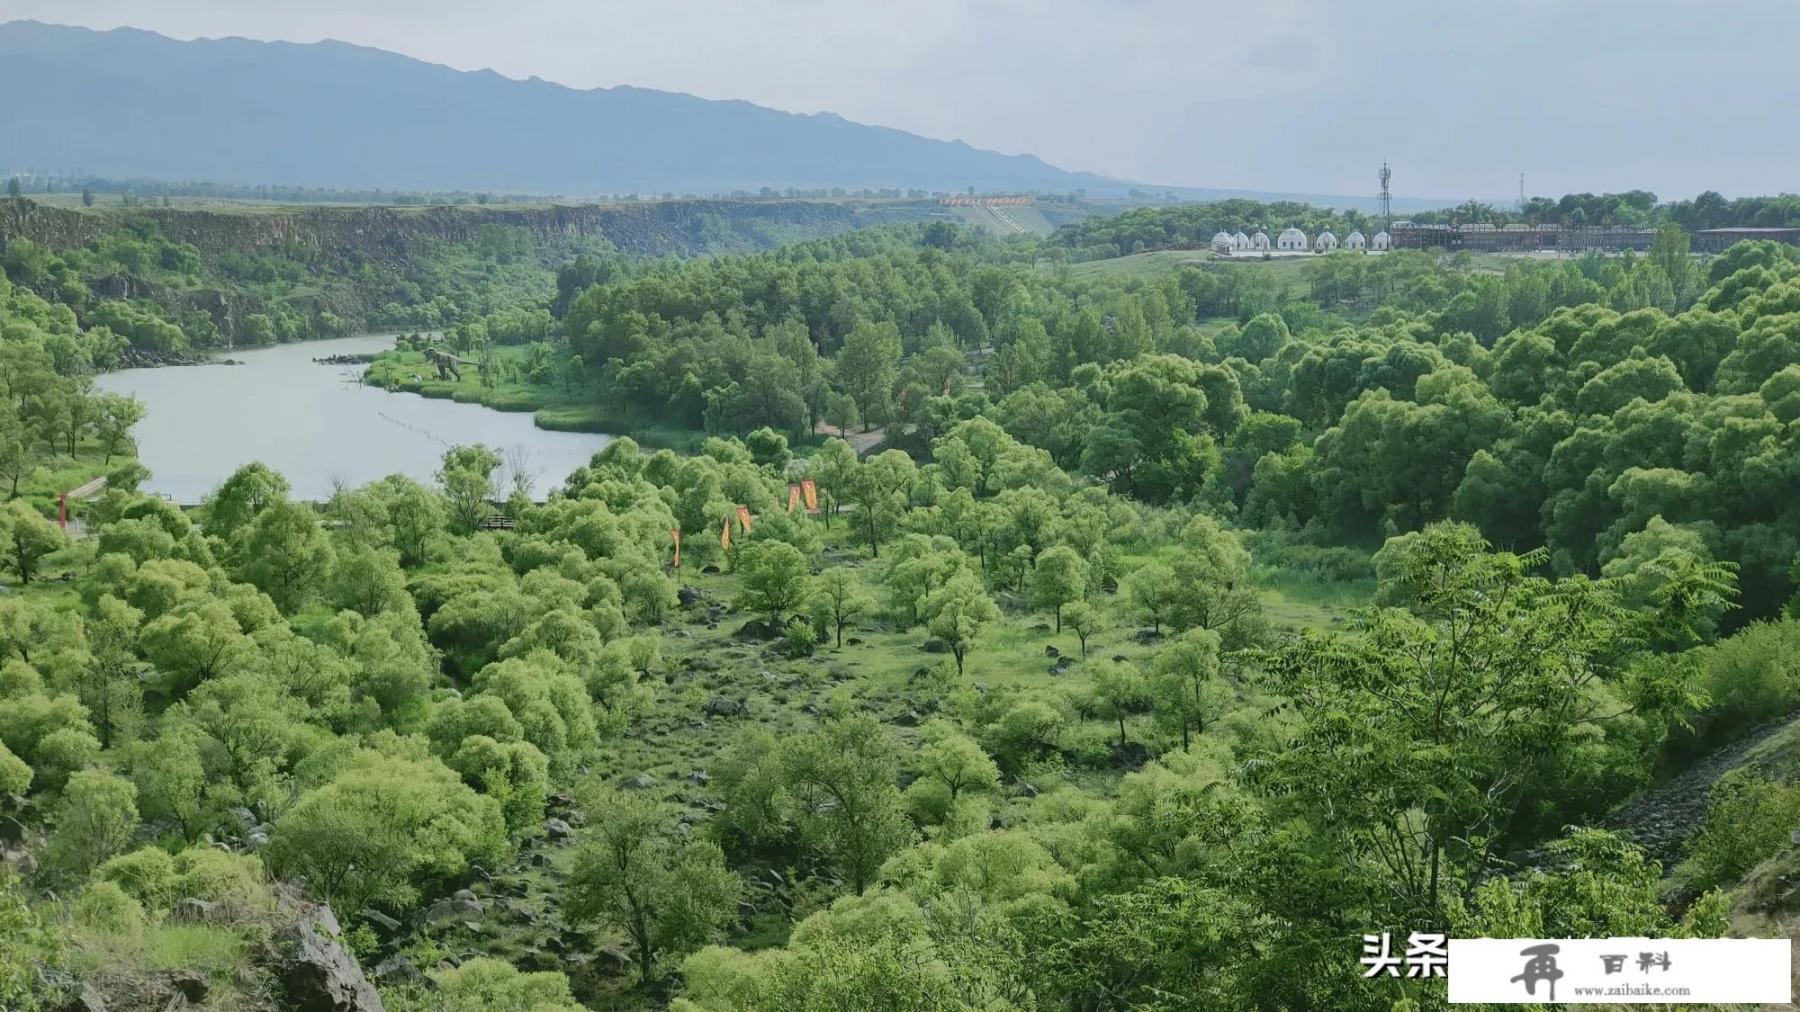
1387, 199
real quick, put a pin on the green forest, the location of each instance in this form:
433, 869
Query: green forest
1155, 637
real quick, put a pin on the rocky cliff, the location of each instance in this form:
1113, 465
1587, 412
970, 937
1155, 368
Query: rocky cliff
391, 234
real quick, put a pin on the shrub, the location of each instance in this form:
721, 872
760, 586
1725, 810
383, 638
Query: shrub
219, 877
106, 908
147, 875
1748, 818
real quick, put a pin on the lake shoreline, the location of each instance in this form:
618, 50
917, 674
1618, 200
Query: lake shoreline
322, 427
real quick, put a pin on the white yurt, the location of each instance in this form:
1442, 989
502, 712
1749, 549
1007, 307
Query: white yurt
1240, 241
1382, 241
1291, 239
1355, 240
1325, 243
1221, 242
1259, 241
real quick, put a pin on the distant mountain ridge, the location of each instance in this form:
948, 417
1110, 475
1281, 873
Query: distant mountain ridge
128, 103
131, 103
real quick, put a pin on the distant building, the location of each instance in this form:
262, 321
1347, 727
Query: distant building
1221, 242
1240, 241
1713, 240
1486, 238
1291, 239
1325, 243
1382, 242
1259, 241
1355, 240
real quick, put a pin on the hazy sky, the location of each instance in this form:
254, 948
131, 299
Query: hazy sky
1299, 95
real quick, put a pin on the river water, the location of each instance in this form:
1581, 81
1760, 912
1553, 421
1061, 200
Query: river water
317, 424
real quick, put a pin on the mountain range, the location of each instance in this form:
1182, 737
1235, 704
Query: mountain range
132, 104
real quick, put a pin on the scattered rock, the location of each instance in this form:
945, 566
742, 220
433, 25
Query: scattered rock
190, 984
758, 630
1051, 651
612, 960
11, 830
399, 970
1147, 635
719, 706
699, 778
381, 923
452, 909
1061, 664
465, 894
690, 596
85, 1000
638, 783
556, 829
908, 719
934, 646
191, 910
1027, 789
318, 974
854, 641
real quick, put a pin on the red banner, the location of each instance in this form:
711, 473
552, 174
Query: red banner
675, 535
725, 535
810, 489
743, 518
793, 497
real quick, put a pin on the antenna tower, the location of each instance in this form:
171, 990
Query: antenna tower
1521, 193
1387, 199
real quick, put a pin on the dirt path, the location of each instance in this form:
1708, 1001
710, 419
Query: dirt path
861, 442
1662, 818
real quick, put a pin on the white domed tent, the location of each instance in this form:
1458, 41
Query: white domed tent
1382, 241
1355, 240
1240, 241
1325, 243
1221, 242
1291, 239
1259, 241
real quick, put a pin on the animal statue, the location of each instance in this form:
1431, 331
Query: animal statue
446, 363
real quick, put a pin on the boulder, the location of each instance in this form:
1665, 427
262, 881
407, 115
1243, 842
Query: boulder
399, 970
907, 719
1051, 651
317, 973
191, 910
379, 922
86, 999
452, 910
556, 829
690, 596
612, 960
934, 646
720, 706
637, 783
191, 985
11, 830
699, 778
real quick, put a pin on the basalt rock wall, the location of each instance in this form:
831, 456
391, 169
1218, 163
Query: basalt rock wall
390, 234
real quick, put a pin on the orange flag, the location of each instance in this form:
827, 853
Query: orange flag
793, 497
675, 535
743, 518
725, 535
811, 489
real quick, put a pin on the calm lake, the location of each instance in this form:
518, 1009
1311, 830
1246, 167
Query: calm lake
317, 424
